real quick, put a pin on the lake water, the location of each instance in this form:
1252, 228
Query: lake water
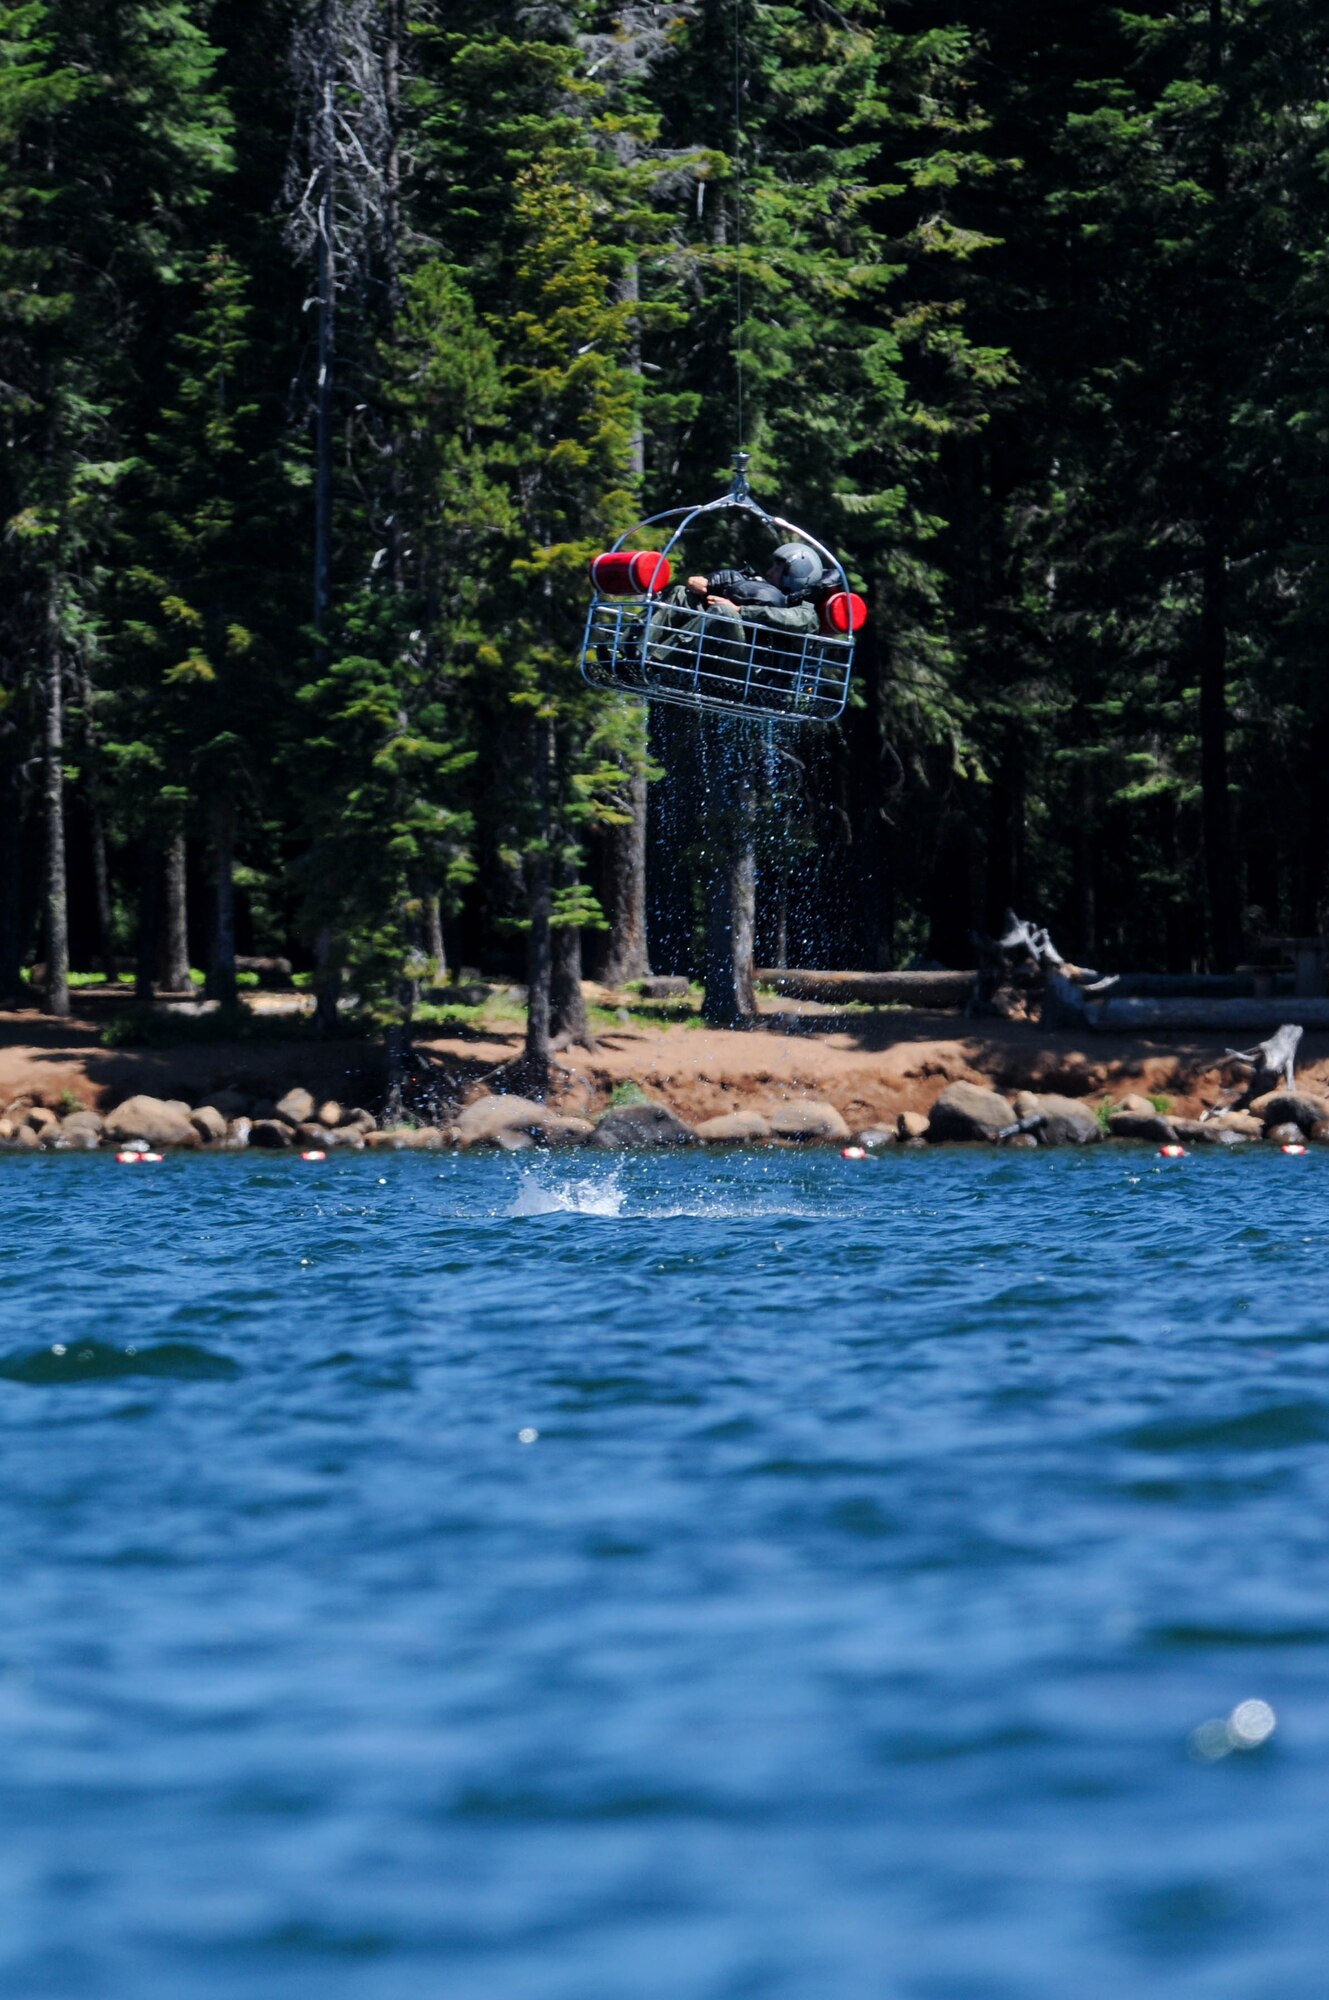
763, 1577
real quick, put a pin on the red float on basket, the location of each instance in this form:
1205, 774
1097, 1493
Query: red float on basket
625, 574
314, 1153
844, 612
1172, 1152
853, 1152
1294, 1149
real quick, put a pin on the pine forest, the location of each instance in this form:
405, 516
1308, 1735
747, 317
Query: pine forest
337, 336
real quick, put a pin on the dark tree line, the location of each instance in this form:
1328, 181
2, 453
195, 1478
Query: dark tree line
335, 335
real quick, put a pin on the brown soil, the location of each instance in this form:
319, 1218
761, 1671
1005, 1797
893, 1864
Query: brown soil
869, 1065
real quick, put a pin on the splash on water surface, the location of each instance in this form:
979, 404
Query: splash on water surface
542, 1194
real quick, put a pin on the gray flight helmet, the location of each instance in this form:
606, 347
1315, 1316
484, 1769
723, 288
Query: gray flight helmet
795, 568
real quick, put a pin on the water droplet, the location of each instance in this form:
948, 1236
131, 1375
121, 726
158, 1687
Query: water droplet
527, 1436
1250, 1724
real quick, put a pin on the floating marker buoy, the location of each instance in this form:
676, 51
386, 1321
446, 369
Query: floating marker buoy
313, 1154
853, 1152
134, 1159
1294, 1149
1172, 1152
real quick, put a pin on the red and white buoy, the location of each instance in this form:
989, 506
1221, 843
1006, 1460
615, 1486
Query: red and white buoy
314, 1153
1172, 1152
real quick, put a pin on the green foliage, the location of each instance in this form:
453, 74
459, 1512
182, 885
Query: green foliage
1031, 330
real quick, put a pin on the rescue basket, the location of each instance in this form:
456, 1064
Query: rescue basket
695, 657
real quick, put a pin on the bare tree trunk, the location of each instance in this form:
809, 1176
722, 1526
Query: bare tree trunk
782, 923
630, 292
327, 335
221, 958
149, 903
398, 1048
628, 955
540, 971
567, 1002
625, 892
101, 874
174, 963
327, 981
539, 977
11, 839
101, 887
731, 913
435, 949
53, 798
1216, 809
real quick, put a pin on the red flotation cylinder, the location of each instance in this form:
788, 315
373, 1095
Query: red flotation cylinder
843, 613
624, 574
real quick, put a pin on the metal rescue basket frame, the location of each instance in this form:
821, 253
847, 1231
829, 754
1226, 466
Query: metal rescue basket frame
697, 658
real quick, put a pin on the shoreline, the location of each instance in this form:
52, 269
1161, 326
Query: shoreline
809, 1076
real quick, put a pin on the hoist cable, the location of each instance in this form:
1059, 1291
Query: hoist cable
738, 216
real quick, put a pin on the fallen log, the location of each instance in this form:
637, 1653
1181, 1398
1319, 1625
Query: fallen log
880, 989
1173, 986
1219, 1016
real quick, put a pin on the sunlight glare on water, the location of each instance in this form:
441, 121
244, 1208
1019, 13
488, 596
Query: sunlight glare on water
664, 1578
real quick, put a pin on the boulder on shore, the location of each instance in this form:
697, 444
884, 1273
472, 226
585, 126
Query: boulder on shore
296, 1107
83, 1121
807, 1118
968, 1113
734, 1128
912, 1125
1289, 1107
321, 1137
231, 1103
874, 1137
209, 1123
1239, 1122
1287, 1134
1135, 1106
493, 1120
1067, 1121
1135, 1125
154, 1119
406, 1139
271, 1134
634, 1125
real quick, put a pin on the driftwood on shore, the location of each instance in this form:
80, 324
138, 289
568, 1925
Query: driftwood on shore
1271, 1062
1015, 969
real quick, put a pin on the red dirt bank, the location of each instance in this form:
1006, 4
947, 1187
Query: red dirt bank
869, 1066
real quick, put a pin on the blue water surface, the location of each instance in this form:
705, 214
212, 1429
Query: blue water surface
761, 1577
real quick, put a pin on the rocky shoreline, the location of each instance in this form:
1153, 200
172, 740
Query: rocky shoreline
963, 1113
